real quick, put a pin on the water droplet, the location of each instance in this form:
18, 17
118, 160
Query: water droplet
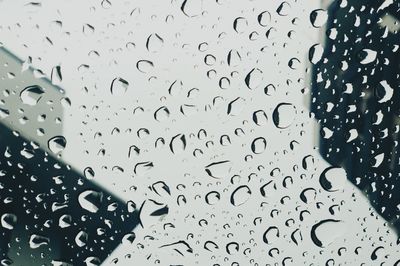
269, 90
367, 56
178, 143
260, 118
315, 53
333, 179
144, 66
264, 18
161, 114
88, 173
212, 197
294, 63
154, 43
236, 106
254, 78
128, 238
234, 58
384, 92
271, 235
318, 17
240, 195
327, 231
258, 145
57, 144
31, 95
65, 221
8, 221
81, 238
283, 115
90, 200
240, 24
119, 86
283, 9
219, 169
56, 76
35, 241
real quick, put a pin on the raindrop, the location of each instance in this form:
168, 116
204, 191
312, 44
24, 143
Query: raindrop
81, 238
144, 66
384, 92
31, 95
119, 86
254, 78
88, 173
56, 76
264, 18
260, 118
269, 89
240, 24
178, 143
128, 238
57, 144
90, 200
308, 195
326, 232
8, 221
315, 53
271, 234
154, 43
283, 9
212, 197
294, 63
367, 56
219, 169
283, 115
318, 17
161, 114
333, 179
224, 83
35, 241
235, 107
258, 145
240, 195
233, 58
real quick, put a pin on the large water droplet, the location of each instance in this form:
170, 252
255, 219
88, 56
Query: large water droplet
89, 173
56, 76
81, 238
333, 179
8, 221
218, 169
240, 195
119, 86
264, 18
315, 53
283, 115
154, 43
258, 145
283, 9
31, 95
57, 144
254, 78
384, 92
178, 143
35, 241
318, 17
367, 56
326, 231
90, 200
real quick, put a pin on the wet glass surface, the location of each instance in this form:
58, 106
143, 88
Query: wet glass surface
199, 132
